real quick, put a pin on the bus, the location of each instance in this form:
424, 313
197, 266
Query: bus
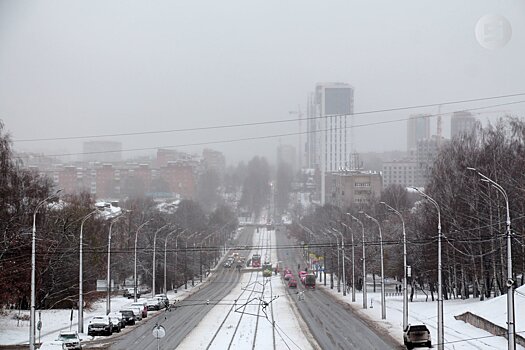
309, 281
256, 260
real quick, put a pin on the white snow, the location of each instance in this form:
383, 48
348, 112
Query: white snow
458, 334
247, 297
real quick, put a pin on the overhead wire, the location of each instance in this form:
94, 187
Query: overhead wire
260, 137
266, 122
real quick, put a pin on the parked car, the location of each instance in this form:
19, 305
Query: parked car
115, 324
129, 316
415, 335
130, 293
153, 304
164, 299
100, 325
121, 319
137, 311
292, 283
143, 306
69, 340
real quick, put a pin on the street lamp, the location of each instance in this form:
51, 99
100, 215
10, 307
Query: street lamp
186, 262
405, 286
383, 301
135, 267
165, 250
338, 263
80, 277
108, 301
343, 250
364, 261
511, 335
440, 328
33, 271
154, 264
353, 260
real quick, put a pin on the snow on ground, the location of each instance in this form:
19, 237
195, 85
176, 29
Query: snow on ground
234, 320
458, 334
13, 332
53, 321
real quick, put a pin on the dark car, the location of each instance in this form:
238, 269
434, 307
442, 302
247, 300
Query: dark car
100, 325
129, 316
292, 283
415, 335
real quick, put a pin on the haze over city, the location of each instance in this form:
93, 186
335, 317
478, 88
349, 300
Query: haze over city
98, 67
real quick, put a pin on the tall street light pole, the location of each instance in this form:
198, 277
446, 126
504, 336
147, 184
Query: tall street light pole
108, 301
511, 335
364, 261
165, 260
383, 300
405, 283
344, 256
154, 262
353, 259
338, 262
33, 271
440, 328
80, 277
135, 265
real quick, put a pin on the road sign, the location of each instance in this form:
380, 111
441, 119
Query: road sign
158, 332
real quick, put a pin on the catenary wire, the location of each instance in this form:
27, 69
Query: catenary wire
262, 137
213, 127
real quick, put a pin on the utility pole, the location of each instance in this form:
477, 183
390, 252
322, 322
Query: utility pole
364, 262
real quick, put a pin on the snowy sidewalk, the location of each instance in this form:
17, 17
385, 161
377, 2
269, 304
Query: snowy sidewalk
458, 334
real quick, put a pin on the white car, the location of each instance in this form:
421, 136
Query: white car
70, 340
137, 311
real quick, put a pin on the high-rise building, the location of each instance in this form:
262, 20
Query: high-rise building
418, 128
102, 151
330, 109
462, 122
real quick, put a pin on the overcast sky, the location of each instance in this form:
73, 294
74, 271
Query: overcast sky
73, 68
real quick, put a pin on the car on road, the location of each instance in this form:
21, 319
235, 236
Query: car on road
416, 335
100, 325
70, 340
115, 324
227, 264
143, 306
292, 283
288, 276
129, 316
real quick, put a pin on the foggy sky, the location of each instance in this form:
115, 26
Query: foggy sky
71, 68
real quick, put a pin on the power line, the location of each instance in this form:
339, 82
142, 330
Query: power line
262, 137
226, 126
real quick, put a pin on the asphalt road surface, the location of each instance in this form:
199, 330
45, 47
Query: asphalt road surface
181, 320
333, 324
